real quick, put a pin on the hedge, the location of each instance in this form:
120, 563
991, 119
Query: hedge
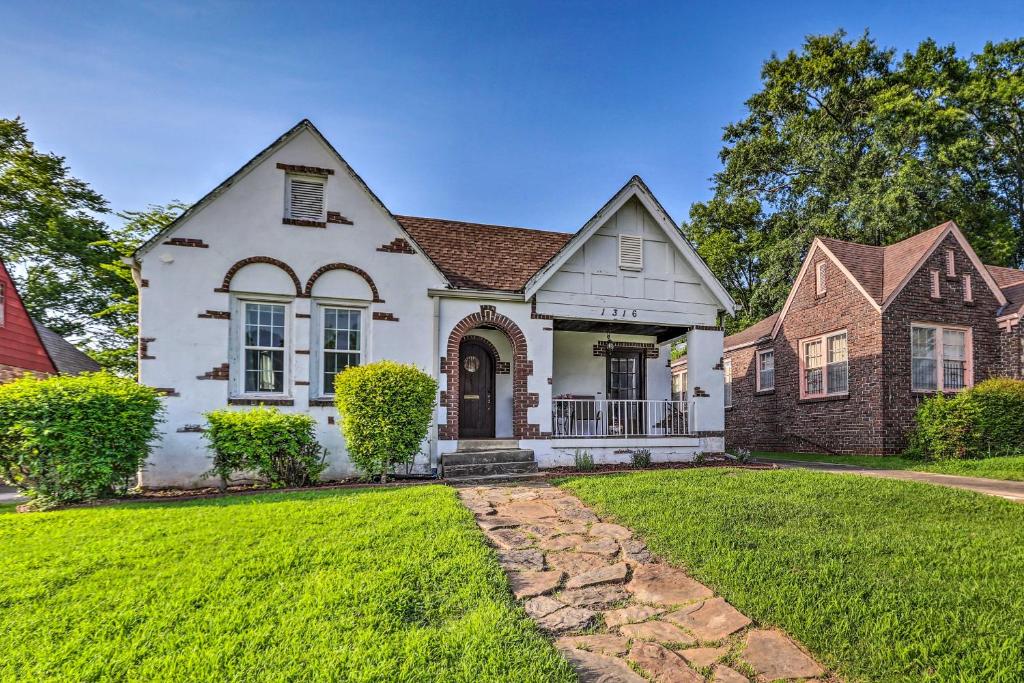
984, 421
281, 448
385, 413
66, 439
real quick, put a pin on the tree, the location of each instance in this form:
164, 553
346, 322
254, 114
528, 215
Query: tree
845, 140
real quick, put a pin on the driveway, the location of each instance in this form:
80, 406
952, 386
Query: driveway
1010, 490
9, 495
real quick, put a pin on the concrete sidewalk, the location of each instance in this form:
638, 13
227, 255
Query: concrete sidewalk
1010, 490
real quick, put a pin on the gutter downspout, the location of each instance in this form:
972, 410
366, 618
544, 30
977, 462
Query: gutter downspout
435, 345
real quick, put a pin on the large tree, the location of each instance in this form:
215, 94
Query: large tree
847, 140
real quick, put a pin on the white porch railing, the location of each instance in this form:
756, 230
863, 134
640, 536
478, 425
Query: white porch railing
576, 418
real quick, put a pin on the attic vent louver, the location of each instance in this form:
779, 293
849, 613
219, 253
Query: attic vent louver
305, 199
631, 252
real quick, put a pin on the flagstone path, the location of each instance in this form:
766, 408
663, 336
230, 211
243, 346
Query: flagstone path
616, 611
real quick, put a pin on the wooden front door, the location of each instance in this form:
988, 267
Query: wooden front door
476, 384
626, 381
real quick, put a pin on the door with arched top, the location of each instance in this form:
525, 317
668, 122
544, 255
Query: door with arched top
476, 386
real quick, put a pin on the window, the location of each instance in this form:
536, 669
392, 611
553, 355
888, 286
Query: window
341, 343
819, 277
728, 384
305, 198
968, 291
825, 365
766, 370
3, 303
679, 386
935, 293
263, 348
950, 263
631, 252
930, 344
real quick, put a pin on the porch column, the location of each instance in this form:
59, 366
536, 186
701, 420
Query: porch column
705, 381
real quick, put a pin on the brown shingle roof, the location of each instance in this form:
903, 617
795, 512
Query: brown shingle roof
761, 328
1011, 283
478, 256
900, 258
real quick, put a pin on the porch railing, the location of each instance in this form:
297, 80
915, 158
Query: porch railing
576, 418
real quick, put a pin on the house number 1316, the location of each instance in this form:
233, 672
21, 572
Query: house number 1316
619, 312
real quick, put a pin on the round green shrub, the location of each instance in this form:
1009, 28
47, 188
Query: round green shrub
281, 448
66, 439
385, 413
984, 421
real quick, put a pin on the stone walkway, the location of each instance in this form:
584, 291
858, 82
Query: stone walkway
614, 609
1011, 490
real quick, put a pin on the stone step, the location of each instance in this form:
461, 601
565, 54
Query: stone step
496, 479
487, 469
482, 457
473, 445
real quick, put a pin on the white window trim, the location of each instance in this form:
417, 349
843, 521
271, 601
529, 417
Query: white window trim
727, 382
823, 338
236, 357
289, 177
316, 351
3, 304
820, 287
940, 357
758, 368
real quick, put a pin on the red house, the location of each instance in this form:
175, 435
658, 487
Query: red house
865, 335
26, 346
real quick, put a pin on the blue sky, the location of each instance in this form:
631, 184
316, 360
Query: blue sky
516, 113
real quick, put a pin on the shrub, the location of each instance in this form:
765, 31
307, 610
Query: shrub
281, 448
66, 439
584, 460
984, 421
640, 457
385, 413
742, 456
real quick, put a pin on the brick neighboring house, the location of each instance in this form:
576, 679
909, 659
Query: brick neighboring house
27, 346
865, 335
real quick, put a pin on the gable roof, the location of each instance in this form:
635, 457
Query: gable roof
634, 187
752, 334
480, 256
65, 356
303, 125
881, 273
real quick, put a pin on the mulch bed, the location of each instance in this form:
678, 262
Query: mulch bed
626, 467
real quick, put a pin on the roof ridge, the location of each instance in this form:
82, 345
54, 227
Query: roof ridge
482, 225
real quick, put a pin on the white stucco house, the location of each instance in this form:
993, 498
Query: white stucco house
292, 269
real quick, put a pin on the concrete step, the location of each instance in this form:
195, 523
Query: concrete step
471, 445
482, 457
496, 479
488, 469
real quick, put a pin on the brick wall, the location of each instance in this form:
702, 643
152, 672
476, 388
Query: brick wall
752, 421
914, 304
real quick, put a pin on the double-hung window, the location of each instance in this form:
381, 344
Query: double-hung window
341, 343
939, 358
766, 370
728, 383
825, 366
264, 346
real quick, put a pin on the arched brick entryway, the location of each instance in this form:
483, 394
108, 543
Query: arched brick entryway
522, 368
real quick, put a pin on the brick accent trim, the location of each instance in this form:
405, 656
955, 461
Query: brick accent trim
381, 315
308, 170
269, 260
301, 383
303, 315
304, 223
301, 352
143, 282
399, 245
190, 429
186, 242
521, 368
500, 367
166, 391
535, 315
144, 348
649, 349
335, 217
261, 402
343, 266
700, 393
709, 433
215, 315
321, 402
221, 372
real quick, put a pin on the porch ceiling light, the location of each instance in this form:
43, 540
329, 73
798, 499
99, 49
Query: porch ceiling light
609, 344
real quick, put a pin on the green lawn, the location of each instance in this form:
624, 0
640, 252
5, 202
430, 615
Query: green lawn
883, 580
1008, 468
363, 585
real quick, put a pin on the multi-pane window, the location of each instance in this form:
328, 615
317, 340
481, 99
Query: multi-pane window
263, 348
728, 383
825, 365
939, 358
679, 386
341, 343
765, 370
